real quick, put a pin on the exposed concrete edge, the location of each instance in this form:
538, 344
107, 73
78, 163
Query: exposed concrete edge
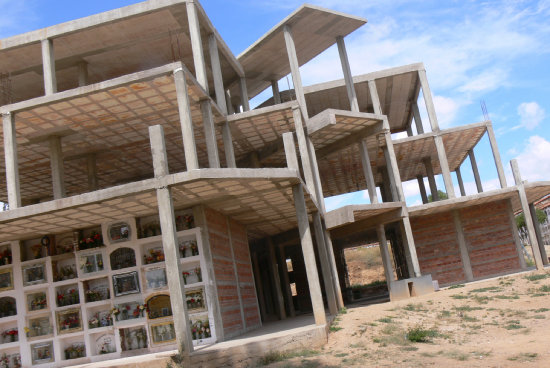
442, 132
262, 111
328, 117
346, 215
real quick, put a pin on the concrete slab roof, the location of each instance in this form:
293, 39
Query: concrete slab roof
355, 213
260, 199
113, 43
109, 120
535, 191
314, 30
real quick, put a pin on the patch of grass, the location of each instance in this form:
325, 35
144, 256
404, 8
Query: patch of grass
486, 289
481, 299
457, 286
481, 354
409, 348
340, 355
385, 320
540, 310
539, 316
371, 284
414, 307
277, 356
507, 296
444, 314
467, 318
513, 325
524, 357
459, 296
334, 328
343, 310
458, 355
420, 334
467, 308
537, 277
544, 289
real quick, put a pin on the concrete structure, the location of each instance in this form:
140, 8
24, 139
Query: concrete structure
151, 210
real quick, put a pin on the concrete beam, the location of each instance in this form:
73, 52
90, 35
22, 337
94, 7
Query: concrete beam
48, 64
417, 118
295, 70
367, 171
11, 160
475, 171
56, 164
348, 78
410, 248
374, 97
325, 264
91, 166
274, 270
528, 219
460, 182
422, 188
196, 45
538, 233
517, 240
82, 74
393, 170
290, 151
427, 93
276, 93
496, 155
228, 146
444, 164
186, 121
304, 151
463, 247
384, 252
244, 94
316, 177
210, 134
431, 178
334, 273
217, 73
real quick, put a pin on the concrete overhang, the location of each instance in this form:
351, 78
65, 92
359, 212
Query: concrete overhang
261, 199
365, 214
114, 43
314, 29
535, 191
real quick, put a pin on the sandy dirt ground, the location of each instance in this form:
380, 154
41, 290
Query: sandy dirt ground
503, 322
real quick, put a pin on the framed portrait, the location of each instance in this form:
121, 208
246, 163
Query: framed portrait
34, 274
69, 321
6, 279
39, 326
155, 278
126, 283
163, 333
119, 232
37, 301
42, 353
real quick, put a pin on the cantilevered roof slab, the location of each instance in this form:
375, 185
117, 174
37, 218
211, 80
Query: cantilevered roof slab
347, 215
114, 43
314, 29
260, 199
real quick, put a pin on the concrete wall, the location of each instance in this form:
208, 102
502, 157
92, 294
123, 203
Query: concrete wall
229, 247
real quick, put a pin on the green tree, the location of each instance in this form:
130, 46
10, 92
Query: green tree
520, 219
441, 194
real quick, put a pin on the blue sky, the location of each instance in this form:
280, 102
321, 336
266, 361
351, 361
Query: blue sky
496, 51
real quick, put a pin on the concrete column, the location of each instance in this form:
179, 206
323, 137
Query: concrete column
259, 285
210, 134
186, 122
410, 247
431, 178
316, 177
217, 73
409, 131
196, 45
367, 171
463, 247
229, 106
236, 272
91, 166
422, 188
276, 93
475, 170
309, 256
460, 182
82, 74
228, 146
48, 64
538, 233
170, 244
304, 152
295, 70
496, 156
528, 219
244, 94
417, 118
325, 264
374, 96
385, 187
444, 164
519, 246
393, 173
56, 164
273, 267
427, 93
352, 96
283, 268
12, 163
290, 152
386, 258
332, 259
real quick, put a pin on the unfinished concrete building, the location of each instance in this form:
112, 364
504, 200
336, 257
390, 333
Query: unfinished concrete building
151, 210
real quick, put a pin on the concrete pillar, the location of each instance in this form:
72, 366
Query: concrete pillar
384, 252
295, 70
460, 182
196, 45
217, 73
304, 152
259, 285
290, 152
374, 96
528, 219
210, 134
283, 269
422, 188
170, 244
91, 166
56, 164
538, 233
444, 164
274, 270
309, 256
229, 106
463, 247
236, 272
82, 74
325, 264
385, 189
475, 170
48, 64
316, 177
427, 93
12, 163
431, 178
410, 248
409, 131
417, 118
513, 224
367, 171
228, 146
332, 259
352, 96
244, 94
496, 156
391, 175
276, 93
186, 122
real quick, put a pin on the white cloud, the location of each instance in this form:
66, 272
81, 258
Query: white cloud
533, 160
531, 114
446, 109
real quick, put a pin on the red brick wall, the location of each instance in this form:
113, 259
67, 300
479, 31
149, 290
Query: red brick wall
490, 239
